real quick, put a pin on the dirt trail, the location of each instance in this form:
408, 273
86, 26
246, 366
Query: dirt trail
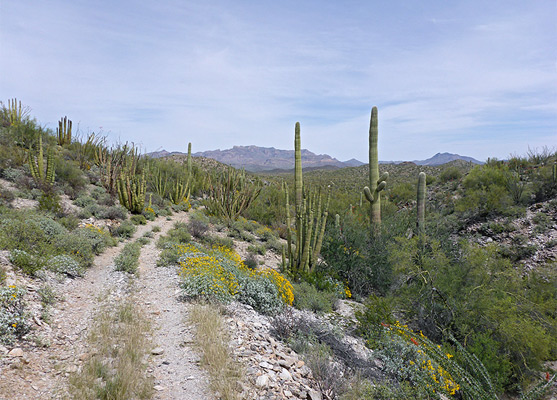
42, 372
177, 375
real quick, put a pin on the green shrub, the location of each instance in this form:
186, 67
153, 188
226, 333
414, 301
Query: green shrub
26, 262
97, 237
179, 234
257, 249
450, 174
377, 311
112, 212
14, 322
50, 202
156, 229
260, 293
84, 201
128, 259
125, 230
2, 274
76, 245
307, 297
138, 219
65, 264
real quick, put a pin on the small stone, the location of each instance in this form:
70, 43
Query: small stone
265, 364
3, 350
17, 352
285, 375
313, 395
84, 357
157, 351
300, 364
158, 388
262, 381
288, 393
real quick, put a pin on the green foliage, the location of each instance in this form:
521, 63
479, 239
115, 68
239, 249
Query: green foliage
487, 191
307, 297
450, 174
402, 193
64, 264
377, 311
125, 230
138, 219
14, 320
26, 262
128, 259
476, 295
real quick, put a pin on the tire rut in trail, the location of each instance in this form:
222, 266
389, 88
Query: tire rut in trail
43, 371
176, 371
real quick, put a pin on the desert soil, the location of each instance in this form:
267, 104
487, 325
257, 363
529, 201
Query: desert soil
42, 369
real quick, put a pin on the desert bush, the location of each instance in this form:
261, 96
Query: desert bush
26, 262
77, 245
112, 212
219, 274
450, 174
402, 193
435, 291
198, 225
179, 234
307, 297
257, 249
69, 174
125, 230
6, 196
64, 264
138, 219
98, 238
377, 311
84, 201
14, 321
128, 259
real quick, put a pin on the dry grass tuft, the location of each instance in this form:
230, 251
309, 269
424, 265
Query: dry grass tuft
212, 340
117, 369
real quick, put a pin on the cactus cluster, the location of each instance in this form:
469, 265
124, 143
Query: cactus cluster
376, 183
304, 246
131, 192
15, 112
41, 175
230, 193
64, 131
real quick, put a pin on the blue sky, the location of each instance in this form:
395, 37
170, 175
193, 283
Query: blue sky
470, 77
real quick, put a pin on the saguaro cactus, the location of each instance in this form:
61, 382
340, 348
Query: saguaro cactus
421, 201
64, 131
310, 219
376, 183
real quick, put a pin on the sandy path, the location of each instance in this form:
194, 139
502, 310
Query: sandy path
42, 372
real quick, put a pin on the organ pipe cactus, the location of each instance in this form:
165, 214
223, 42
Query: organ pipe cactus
376, 183
231, 193
36, 165
310, 220
421, 201
131, 192
15, 112
181, 192
64, 131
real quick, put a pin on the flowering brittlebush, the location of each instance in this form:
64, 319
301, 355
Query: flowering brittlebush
433, 360
220, 273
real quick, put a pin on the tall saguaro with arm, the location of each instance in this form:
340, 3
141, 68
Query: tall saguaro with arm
376, 183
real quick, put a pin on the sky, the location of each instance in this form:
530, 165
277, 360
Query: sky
476, 78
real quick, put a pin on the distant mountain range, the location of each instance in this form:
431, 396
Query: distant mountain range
260, 159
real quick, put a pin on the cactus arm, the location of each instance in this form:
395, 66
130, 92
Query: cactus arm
298, 183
